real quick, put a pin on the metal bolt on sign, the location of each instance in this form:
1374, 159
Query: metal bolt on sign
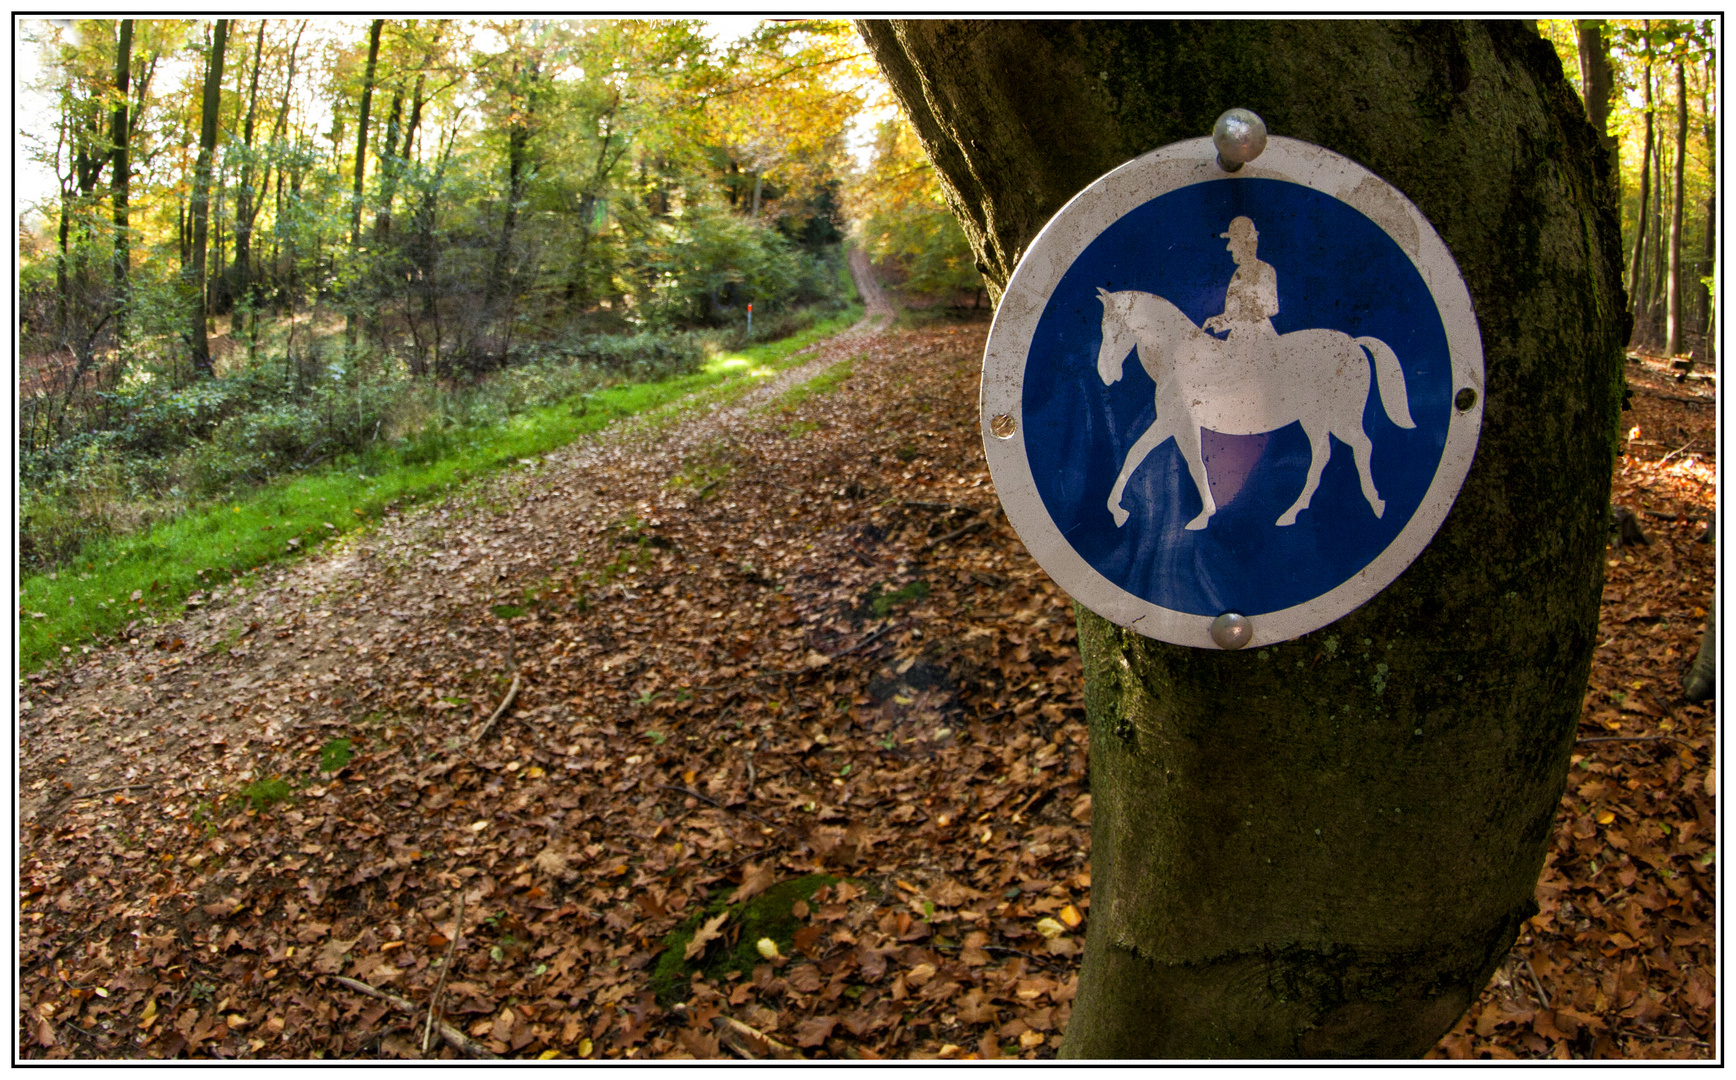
1240, 137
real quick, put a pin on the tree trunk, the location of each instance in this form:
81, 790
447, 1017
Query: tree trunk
246, 198
1325, 847
1655, 235
1673, 300
361, 171
119, 132
498, 288
202, 193
1635, 282
362, 134
1709, 263
1599, 82
279, 129
388, 156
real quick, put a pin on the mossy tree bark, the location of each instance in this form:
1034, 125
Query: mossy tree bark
1324, 848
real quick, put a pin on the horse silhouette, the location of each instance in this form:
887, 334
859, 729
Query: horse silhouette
1319, 378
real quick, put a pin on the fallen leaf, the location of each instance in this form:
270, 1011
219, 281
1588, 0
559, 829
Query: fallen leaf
708, 932
330, 958
754, 880
815, 1030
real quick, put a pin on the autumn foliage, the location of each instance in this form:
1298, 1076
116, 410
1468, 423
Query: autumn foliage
733, 691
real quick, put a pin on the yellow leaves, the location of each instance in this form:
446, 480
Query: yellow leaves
1605, 817
585, 1046
767, 948
1070, 915
1049, 928
149, 1016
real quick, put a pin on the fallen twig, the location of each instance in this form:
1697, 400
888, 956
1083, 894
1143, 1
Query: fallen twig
511, 694
1542, 995
1649, 392
445, 970
866, 559
1634, 738
505, 703
459, 1041
875, 636
60, 949
1667, 457
969, 527
948, 507
1664, 1038
752, 1043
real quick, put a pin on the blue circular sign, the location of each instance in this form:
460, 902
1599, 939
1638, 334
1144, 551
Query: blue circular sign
1212, 393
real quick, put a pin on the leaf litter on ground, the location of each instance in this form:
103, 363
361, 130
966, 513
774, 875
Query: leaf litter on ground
757, 646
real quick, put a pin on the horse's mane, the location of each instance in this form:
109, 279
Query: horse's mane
1126, 301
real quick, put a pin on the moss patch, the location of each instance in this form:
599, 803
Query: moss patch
767, 915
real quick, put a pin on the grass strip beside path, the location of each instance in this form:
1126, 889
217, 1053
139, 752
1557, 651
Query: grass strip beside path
157, 573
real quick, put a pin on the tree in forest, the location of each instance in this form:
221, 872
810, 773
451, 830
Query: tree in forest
210, 106
361, 169
120, 173
1678, 203
1597, 82
1325, 847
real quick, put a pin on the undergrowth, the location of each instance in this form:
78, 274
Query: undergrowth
123, 582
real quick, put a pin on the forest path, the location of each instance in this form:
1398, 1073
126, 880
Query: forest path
233, 668
874, 296
753, 641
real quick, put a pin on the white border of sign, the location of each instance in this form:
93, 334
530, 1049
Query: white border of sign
1067, 234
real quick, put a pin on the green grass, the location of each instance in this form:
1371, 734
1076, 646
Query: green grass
883, 604
149, 575
334, 755
824, 383
262, 793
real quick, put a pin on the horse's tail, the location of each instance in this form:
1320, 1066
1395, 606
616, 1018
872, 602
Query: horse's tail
1390, 377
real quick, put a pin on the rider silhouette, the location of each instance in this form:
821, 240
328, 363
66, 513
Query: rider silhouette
1252, 298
